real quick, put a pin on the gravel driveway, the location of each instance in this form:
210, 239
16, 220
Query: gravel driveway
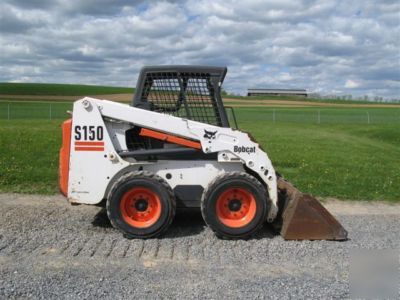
50, 249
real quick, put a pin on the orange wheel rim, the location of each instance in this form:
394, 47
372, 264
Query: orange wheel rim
140, 207
236, 207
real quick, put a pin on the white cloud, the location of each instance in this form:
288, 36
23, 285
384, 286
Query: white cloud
285, 76
274, 44
351, 84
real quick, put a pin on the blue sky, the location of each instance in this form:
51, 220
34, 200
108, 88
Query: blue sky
329, 47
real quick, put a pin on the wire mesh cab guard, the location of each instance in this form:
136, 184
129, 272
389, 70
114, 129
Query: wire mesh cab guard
190, 92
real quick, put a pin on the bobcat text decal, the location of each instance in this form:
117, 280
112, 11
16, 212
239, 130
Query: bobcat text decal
241, 149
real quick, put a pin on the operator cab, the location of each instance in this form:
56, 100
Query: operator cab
189, 92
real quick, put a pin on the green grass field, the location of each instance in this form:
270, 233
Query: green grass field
342, 156
29, 110
346, 160
52, 89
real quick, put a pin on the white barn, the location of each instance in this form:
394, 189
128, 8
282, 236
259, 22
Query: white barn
277, 92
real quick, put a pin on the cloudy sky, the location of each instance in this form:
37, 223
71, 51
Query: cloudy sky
341, 47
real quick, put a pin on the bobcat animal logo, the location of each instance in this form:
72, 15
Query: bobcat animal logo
209, 134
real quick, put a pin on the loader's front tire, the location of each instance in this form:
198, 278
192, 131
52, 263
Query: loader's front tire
141, 205
234, 205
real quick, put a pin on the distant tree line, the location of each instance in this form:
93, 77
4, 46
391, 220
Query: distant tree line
348, 97
351, 97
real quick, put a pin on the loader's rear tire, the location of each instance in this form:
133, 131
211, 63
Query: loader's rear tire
141, 205
234, 205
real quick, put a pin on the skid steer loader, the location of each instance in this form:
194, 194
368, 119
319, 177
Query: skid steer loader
175, 148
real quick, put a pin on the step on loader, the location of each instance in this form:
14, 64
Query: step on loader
174, 147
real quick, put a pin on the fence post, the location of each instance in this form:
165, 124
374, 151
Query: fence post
273, 115
50, 112
368, 120
8, 112
319, 116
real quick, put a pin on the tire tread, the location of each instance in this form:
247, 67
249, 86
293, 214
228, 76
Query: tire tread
151, 176
210, 188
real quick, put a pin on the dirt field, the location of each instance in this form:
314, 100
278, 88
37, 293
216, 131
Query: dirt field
49, 249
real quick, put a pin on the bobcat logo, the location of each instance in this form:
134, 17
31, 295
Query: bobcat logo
209, 134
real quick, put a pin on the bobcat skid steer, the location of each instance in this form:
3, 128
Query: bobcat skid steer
175, 148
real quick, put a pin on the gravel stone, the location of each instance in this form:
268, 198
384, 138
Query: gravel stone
50, 249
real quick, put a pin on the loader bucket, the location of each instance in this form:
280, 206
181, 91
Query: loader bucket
304, 217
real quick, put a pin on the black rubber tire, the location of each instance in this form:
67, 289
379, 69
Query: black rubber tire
218, 186
157, 185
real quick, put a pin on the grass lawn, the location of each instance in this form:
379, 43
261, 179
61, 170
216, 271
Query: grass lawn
341, 157
348, 159
29, 156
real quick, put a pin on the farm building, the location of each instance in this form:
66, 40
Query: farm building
277, 92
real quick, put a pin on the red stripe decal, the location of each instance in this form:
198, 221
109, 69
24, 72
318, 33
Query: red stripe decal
78, 143
170, 138
89, 148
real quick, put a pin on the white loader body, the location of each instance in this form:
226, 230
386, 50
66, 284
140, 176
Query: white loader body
98, 139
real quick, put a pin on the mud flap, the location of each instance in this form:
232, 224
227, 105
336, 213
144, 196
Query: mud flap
304, 217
